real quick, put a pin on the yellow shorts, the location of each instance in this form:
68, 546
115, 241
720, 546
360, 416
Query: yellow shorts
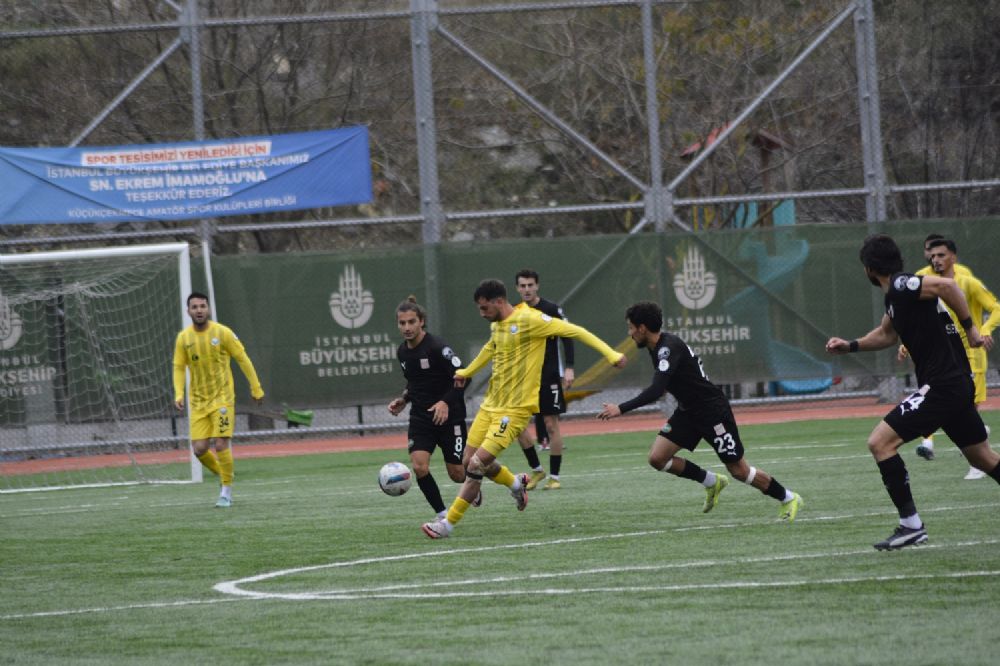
213, 423
979, 379
494, 431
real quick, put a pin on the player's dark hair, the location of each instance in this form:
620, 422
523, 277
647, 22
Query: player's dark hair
489, 289
931, 237
411, 305
645, 313
196, 294
938, 242
881, 255
527, 273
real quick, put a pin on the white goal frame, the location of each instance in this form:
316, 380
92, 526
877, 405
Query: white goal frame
182, 252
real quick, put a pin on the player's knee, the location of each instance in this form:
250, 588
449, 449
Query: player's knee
741, 471
475, 467
456, 473
420, 467
660, 462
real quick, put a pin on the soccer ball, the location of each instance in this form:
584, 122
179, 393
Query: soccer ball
394, 478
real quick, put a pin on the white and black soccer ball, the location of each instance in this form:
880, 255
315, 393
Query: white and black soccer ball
394, 478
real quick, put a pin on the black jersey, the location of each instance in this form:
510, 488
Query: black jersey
429, 369
550, 367
927, 331
678, 370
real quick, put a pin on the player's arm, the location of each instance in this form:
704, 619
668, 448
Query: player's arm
652, 393
988, 302
399, 403
441, 409
948, 291
484, 356
880, 337
564, 329
180, 364
239, 354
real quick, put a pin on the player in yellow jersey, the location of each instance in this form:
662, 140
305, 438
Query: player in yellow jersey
205, 348
944, 257
517, 349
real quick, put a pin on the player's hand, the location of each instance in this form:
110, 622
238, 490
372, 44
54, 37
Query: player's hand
439, 412
609, 412
568, 377
902, 353
621, 362
179, 404
396, 406
460, 381
987, 342
838, 346
974, 338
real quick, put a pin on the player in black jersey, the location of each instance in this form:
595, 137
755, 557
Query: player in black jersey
914, 315
556, 377
703, 412
437, 406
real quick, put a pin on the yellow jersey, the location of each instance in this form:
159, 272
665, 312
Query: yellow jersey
207, 353
980, 300
960, 269
517, 349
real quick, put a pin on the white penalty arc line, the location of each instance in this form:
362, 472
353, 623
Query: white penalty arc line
395, 591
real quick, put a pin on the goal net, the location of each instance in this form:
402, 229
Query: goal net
86, 389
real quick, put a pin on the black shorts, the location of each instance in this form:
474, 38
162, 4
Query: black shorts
451, 437
719, 430
550, 397
948, 406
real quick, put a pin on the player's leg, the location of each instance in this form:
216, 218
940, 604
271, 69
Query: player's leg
541, 433
979, 380
971, 436
222, 432
554, 405
471, 491
728, 446
201, 441
680, 433
224, 452
531, 455
884, 443
420, 461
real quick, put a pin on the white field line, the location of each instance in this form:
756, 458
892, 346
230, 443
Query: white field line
239, 594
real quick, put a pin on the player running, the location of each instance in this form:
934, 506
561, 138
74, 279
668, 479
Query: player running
437, 406
913, 314
703, 412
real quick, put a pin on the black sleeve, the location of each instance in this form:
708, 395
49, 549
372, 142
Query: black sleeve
651, 393
454, 395
569, 355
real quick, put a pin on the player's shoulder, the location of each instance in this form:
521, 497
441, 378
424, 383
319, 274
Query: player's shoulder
927, 270
903, 283
962, 269
550, 308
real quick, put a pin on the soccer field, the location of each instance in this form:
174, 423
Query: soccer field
314, 565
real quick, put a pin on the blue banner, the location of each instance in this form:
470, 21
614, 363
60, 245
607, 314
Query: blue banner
185, 180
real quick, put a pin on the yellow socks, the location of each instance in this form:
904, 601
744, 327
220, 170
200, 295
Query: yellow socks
457, 510
226, 466
211, 463
504, 477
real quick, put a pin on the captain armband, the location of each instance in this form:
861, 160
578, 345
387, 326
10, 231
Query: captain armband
853, 346
966, 323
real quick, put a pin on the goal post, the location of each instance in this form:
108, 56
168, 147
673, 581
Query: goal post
86, 384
